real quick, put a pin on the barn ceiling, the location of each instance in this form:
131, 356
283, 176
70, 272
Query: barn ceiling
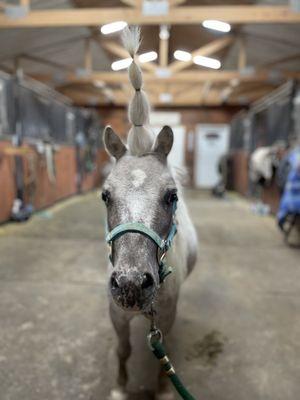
256, 57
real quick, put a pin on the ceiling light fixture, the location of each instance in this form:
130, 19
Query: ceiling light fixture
182, 55
164, 32
121, 64
207, 62
147, 57
113, 27
216, 25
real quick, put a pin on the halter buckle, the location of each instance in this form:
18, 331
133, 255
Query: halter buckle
155, 333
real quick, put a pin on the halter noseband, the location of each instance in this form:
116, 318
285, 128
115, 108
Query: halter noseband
163, 245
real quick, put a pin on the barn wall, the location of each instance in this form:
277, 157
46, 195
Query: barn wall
190, 118
117, 117
39, 190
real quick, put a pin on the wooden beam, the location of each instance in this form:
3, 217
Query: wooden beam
130, 3
192, 98
175, 3
177, 15
177, 90
205, 91
242, 56
182, 77
242, 61
192, 92
206, 50
119, 51
119, 97
163, 52
113, 48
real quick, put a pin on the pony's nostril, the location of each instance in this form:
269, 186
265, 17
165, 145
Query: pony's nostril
114, 283
147, 281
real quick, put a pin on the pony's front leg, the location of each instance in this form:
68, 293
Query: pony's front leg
122, 328
165, 390
165, 322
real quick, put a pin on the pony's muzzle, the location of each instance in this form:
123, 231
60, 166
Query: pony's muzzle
134, 291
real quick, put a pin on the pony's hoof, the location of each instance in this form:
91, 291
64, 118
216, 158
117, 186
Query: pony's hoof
165, 396
117, 394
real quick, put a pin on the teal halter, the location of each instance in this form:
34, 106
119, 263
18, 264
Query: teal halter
163, 245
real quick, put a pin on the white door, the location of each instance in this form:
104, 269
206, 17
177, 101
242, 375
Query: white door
212, 142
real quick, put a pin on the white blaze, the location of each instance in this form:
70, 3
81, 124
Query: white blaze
138, 177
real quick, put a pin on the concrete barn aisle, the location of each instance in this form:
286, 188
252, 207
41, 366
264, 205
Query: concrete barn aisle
238, 328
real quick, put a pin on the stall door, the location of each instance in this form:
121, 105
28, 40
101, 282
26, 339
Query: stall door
211, 143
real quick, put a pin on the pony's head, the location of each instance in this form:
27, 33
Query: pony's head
141, 190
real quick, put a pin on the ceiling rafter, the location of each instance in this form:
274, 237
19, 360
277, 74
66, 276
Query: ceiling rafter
164, 50
206, 50
192, 87
116, 49
182, 77
138, 3
176, 15
205, 91
242, 55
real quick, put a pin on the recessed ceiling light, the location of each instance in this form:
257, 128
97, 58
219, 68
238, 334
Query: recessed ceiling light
147, 57
121, 64
207, 62
113, 27
216, 25
182, 55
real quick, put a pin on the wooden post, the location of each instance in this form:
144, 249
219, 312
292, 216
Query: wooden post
242, 57
163, 46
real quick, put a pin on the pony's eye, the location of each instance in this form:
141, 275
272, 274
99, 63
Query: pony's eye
105, 196
171, 196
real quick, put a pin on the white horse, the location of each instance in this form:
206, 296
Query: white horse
141, 194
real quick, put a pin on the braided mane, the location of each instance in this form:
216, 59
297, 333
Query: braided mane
140, 139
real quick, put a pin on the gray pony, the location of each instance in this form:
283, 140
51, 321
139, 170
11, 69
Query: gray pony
142, 188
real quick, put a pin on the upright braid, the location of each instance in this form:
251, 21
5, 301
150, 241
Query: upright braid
140, 139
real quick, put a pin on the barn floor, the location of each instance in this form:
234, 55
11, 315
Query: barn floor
238, 328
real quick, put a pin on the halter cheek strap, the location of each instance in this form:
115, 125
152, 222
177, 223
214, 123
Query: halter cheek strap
162, 244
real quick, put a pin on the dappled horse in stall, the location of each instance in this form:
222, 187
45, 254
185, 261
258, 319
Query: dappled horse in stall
148, 226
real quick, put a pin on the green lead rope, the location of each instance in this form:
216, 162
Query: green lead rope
160, 353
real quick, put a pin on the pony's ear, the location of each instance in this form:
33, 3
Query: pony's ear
164, 141
113, 144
